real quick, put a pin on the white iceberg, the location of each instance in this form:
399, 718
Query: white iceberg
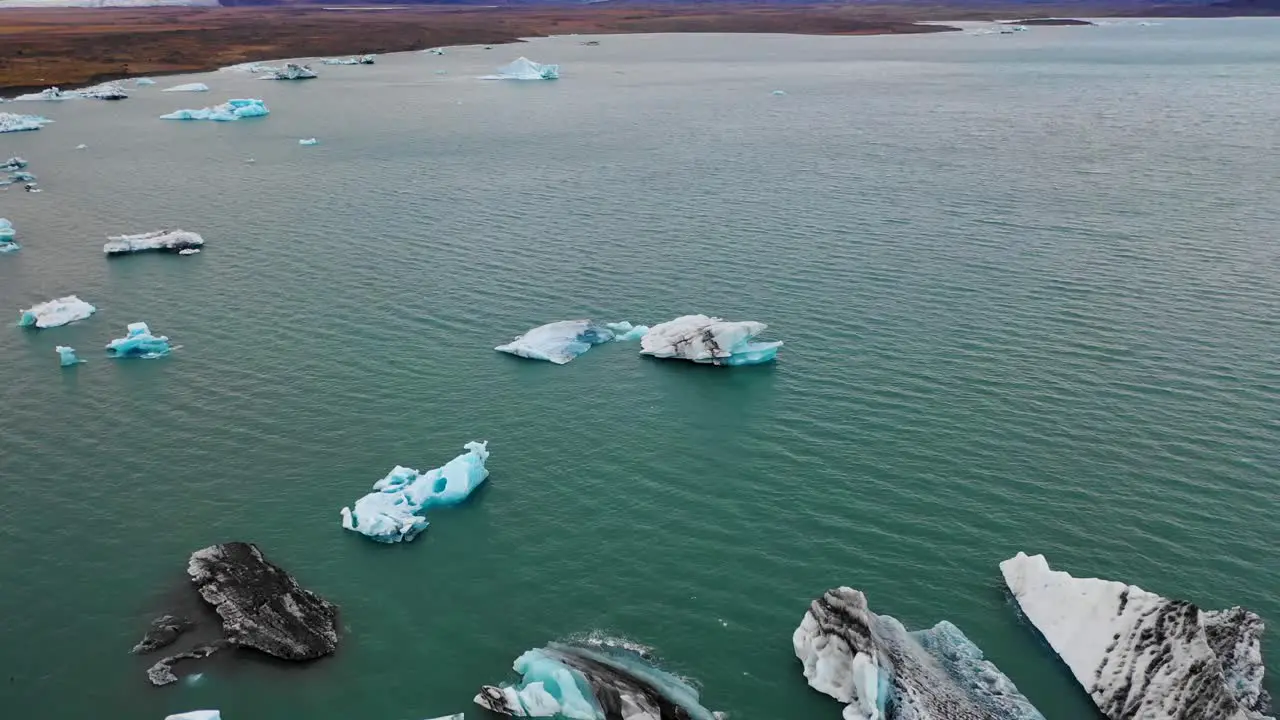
67, 356
13, 122
189, 87
139, 343
308, 141
189, 251
143, 82
362, 60
55, 312
558, 342
160, 240
103, 91
394, 511
523, 68
881, 671
226, 112
290, 71
1140, 655
196, 715
710, 340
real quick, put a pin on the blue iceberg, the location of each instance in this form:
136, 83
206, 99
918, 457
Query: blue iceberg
592, 682
883, 672
67, 356
139, 343
709, 340
525, 69
56, 312
626, 332
7, 234
395, 511
226, 112
13, 122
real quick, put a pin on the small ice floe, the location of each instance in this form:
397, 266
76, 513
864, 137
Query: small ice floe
13, 122
189, 251
779, 92
523, 68
82, 146
434, 51
7, 235
67, 356
308, 141
159, 240
189, 87
226, 112
139, 343
56, 312
291, 71
143, 82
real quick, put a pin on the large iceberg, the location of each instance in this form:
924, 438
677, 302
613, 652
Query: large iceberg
523, 68
600, 681
558, 342
1140, 655
883, 672
362, 60
103, 91
226, 112
188, 87
12, 122
395, 510
139, 343
709, 340
58, 311
161, 240
290, 71
67, 356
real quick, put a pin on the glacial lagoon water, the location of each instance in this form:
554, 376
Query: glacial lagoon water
1029, 288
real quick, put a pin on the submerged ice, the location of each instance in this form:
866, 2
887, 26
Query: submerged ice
395, 510
1140, 655
523, 68
599, 681
883, 672
13, 122
159, 240
55, 312
139, 343
711, 340
230, 110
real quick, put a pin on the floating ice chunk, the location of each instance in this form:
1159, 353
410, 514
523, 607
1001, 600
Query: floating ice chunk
882, 672
308, 141
13, 163
434, 51
625, 331
103, 91
188, 87
58, 311
196, 715
161, 240
442, 72
558, 342
779, 92
710, 340
576, 681
67, 356
142, 82
394, 511
7, 233
139, 343
12, 122
1140, 655
82, 146
362, 60
290, 71
455, 716
523, 68
189, 251
227, 111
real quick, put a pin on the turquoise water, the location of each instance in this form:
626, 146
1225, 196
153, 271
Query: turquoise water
1028, 287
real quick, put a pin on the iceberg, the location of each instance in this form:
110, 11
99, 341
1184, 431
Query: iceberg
103, 91
626, 332
523, 68
7, 233
434, 51
67, 356
881, 671
1140, 655
394, 511
189, 251
142, 82
558, 342
362, 60
290, 71
189, 87
593, 682
226, 112
56, 312
709, 340
13, 122
779, 92
82, 146
160, 240
13, 164
139, 343
196, 715
308, 141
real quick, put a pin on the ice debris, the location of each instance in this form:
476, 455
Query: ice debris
139, 343
160, 240
1140, 655
597, 682
56, 312
558, 342
362, 60
196, 715
13, 122
710, 340
103, 91
82, 146
881, 671
7, 234
142, 82
395, 510
626, 332
523, 68
308, 141
188, 87
779, 92
67, 356
290, 71
227, 111
189, 251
